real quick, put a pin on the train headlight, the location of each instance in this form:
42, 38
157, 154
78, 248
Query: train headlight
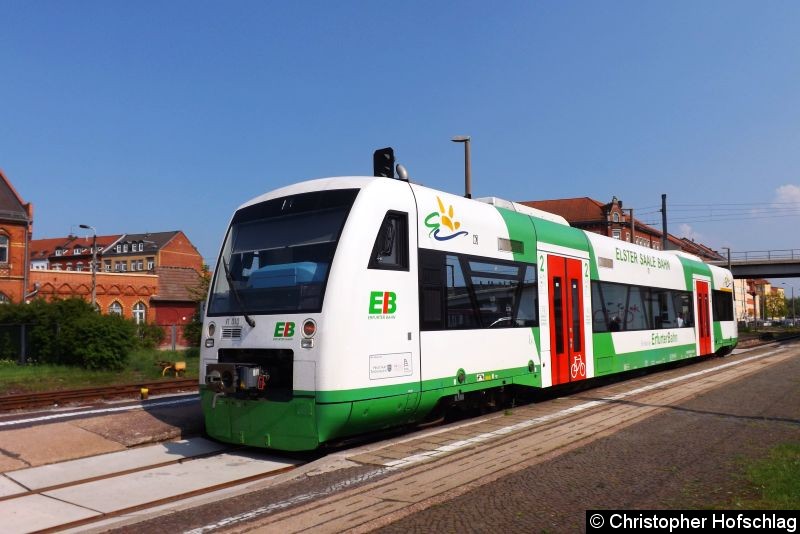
309, 328
211, 329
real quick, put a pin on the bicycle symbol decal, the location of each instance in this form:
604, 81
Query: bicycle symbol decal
578, 367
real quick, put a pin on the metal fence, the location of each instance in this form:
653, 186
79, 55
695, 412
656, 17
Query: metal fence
760, 255
15, 342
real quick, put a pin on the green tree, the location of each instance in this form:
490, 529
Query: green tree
193, 330
775, 306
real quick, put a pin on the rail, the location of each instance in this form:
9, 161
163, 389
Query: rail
49, 398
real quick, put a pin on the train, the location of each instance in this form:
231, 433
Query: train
343, 306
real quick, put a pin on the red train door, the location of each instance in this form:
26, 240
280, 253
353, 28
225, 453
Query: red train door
566, 320
703, 317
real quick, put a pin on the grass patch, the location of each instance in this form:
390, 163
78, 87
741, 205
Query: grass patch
141, 366
775, 479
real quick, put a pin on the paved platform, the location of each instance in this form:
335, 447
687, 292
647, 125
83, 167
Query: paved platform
59, 440
57, 494
48, 476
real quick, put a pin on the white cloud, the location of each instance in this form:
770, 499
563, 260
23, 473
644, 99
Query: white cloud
788, 193
686, 230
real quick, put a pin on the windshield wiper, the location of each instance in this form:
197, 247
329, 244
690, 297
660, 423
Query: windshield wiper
229, 278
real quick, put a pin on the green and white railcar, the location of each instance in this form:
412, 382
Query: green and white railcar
345, 305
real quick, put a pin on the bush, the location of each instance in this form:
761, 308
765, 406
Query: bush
193, 331
71, 332
98, 342
150, 335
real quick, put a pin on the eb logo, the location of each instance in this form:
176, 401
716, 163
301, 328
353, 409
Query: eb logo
284, 329
382, 302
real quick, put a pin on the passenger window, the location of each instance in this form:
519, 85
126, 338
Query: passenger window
460, 311
526, 315
390, 250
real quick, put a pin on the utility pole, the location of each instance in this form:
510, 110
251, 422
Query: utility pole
633, 225
94, 263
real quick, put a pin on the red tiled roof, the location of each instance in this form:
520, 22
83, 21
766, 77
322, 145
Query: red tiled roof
586, 210
572, 209
11, 205
41, 249
45, 248
174, 284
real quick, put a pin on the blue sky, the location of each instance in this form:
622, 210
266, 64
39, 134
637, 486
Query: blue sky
152, 116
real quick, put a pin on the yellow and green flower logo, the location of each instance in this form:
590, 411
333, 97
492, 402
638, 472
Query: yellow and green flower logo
443, 223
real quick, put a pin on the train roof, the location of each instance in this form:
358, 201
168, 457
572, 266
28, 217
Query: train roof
521, 208
359, 182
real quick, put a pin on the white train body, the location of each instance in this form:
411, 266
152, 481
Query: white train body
372, 300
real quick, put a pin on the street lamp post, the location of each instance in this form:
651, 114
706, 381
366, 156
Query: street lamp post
94, 263
467, 166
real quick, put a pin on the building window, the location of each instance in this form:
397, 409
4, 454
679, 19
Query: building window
615, 217
4, 298
115, 308
76, 251
59, 252
125, 247
119, 248
615, 234
151, 262
107, 266
69, 266
140, 265
139, 313
3, 249
141, 246
79, 266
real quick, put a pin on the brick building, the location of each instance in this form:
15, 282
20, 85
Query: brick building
149, 251
126, 294
146, 277
174, 304
69, 253
16, 224
612, 220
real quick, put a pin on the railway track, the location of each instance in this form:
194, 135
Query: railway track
50, 398
80, 493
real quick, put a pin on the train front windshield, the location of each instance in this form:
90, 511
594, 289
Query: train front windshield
277, 254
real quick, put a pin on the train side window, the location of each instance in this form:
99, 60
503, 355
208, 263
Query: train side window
616, 305
600, 319
495, 286
460, 309
684, 307
664, 315
637, 317
390, 250
722, 305
528, 302
431, 277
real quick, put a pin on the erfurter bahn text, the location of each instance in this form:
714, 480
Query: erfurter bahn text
347, 305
